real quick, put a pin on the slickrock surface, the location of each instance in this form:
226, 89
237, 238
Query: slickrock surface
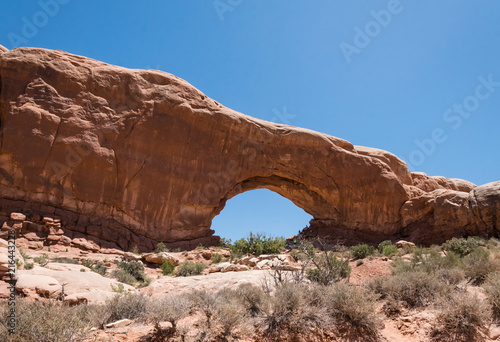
119, 157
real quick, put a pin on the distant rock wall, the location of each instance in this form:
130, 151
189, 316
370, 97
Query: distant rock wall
133, 157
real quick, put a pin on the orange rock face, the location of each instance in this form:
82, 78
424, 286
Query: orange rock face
133, 157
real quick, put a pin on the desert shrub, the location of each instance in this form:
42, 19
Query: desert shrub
170, 309
42, 260
352, 307
29, 266
189, 268
461, 246
125, 277
23, 254
225, 243
257, 244
451, 276
216, 258
99, 268
361, 251
229, 313
160, 247
389, 250
205, 302
429, 261
88, 262
290, 312
135, 250
63, 260
461, 317
329, 268
45, 322
383, 244
252, 298
414, 289
492, 289
295, 254
127, 305
131, 272
477, 265
167, 267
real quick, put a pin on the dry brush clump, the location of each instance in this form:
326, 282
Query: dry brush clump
46, 322
462, 317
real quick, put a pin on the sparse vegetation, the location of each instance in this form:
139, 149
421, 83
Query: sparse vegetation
29, 266
42, 260
290, 308
63, 260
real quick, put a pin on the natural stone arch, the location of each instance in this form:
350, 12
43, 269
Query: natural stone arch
133, 157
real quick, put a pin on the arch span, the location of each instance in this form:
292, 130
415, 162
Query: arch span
133, 157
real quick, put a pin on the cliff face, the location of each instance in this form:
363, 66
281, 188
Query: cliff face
132, 157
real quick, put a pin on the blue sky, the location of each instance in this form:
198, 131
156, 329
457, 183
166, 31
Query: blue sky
420, 79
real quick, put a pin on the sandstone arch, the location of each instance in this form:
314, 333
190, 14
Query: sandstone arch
135, 157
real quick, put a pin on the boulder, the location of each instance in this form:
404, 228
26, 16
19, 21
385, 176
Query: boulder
234, 268
45, 286
159, 258
403, 243
485, 204
17, 217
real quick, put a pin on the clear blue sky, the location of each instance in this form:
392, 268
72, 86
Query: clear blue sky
404, 76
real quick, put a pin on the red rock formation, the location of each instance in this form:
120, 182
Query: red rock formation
132, 157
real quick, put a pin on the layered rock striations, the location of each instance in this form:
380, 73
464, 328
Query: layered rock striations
133, 157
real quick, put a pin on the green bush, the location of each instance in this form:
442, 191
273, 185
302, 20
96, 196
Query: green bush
361, 251
132, 272
42, 260
160, 247
329, 269
461, 246
99, 268
216, 258
383, 244
189, 268
389, 250
257, 244
167, 267
29, 266
225, 243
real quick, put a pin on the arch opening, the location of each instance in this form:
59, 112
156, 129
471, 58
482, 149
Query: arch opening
259, 211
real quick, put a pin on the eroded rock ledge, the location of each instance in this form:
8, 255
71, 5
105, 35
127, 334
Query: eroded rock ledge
146, 157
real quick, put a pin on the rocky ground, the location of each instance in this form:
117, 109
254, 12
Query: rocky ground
58, 267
